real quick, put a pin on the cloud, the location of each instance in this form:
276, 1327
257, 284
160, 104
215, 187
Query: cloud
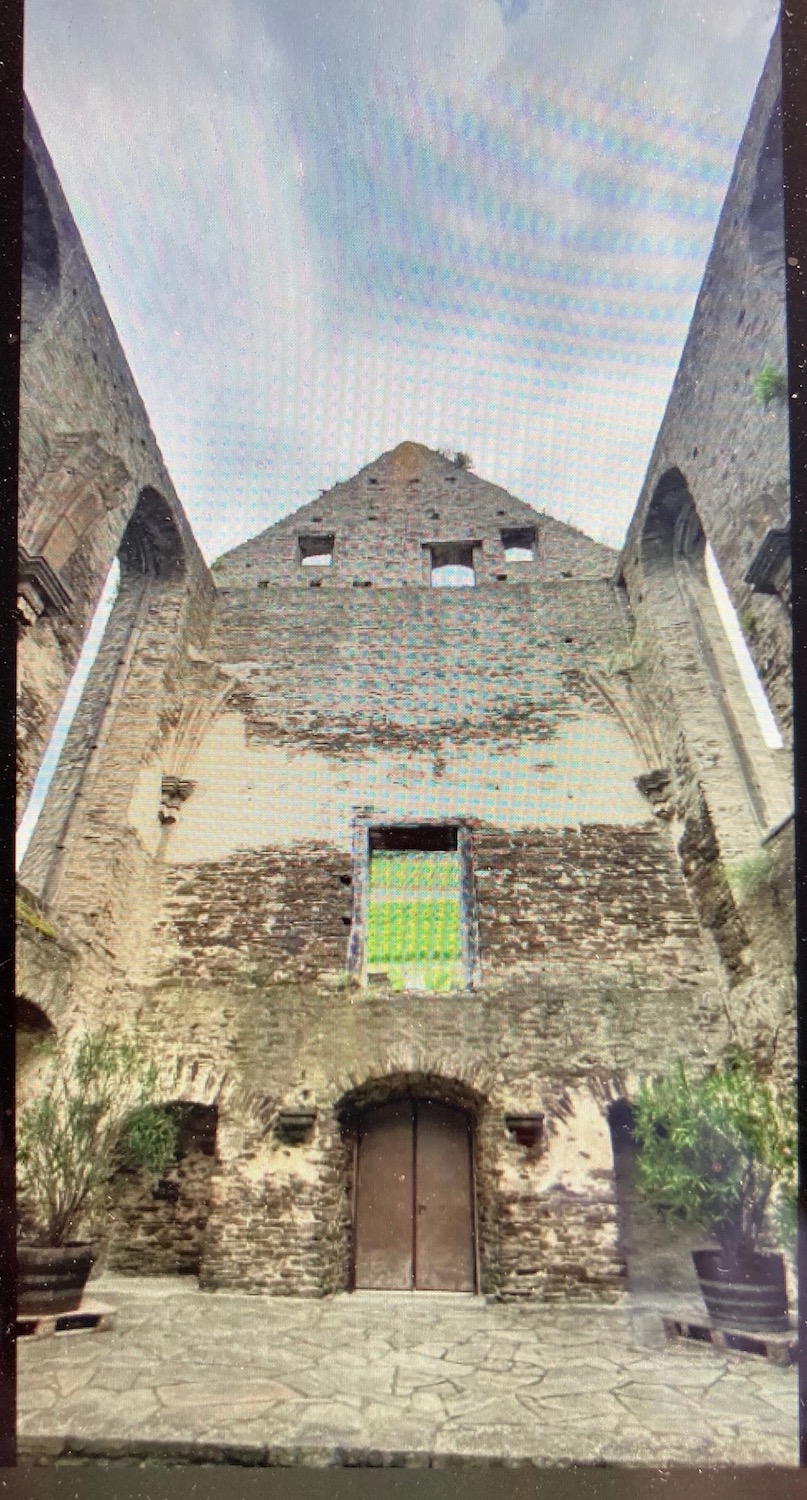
323, 228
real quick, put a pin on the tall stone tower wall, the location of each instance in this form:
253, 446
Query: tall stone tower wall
89, 461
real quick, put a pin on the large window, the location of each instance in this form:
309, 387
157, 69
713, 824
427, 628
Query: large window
452, 565
417, 919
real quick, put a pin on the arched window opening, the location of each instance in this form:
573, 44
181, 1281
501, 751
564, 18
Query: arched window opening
67, 712
751, 680
32, 1027
151, 544
151, 552
675, 549
40, 251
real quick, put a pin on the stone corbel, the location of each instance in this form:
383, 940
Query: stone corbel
526, 1129
769, 572
295, 1124
657, 787
174, 792
39, 588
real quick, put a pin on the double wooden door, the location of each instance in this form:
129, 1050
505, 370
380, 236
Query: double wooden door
414, 1209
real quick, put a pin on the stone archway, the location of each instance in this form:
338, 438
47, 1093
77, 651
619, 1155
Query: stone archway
414, 1220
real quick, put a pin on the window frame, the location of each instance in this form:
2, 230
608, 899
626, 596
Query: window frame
364, 827
520, 538
313, 559
470, 546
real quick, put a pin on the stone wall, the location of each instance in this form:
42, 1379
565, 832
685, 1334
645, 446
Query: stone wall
384, 519
724, 453
206, 836
159, 1228
87, 455
731, 448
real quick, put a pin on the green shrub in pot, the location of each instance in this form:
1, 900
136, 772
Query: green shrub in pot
92, 1112
718, 1152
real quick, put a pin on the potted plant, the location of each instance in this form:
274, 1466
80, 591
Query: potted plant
719, 1153
92, 1113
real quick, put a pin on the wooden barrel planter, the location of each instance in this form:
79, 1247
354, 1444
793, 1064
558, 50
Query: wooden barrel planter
747, 1292
51, 1278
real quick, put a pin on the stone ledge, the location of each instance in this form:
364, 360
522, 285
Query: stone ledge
40, 1452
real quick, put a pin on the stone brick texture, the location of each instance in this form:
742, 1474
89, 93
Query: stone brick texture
579, 713
83, 426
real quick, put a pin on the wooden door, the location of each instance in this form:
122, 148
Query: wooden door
444, 1241
414, 1199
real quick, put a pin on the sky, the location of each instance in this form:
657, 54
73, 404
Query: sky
325, 226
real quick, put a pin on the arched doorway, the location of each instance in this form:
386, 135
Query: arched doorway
413, 1227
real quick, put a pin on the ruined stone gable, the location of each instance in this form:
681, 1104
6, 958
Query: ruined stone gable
350, 846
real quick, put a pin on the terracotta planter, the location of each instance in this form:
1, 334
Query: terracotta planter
51, 1278
746, 1291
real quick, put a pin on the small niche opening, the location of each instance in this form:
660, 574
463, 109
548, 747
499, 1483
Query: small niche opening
316, 551
519, 544
452, 565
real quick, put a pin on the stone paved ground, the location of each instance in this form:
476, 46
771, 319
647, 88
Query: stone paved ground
390, 1377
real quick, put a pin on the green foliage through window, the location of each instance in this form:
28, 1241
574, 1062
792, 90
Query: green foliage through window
414, 930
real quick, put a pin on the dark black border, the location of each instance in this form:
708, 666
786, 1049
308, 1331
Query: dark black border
794, 104
197, 1483
11, 21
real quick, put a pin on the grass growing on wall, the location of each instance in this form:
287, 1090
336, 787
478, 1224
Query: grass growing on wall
770, 384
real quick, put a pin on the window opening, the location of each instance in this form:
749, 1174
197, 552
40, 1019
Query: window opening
452, 565
67, 712
415, 938
316, 551
519, 544
745, 663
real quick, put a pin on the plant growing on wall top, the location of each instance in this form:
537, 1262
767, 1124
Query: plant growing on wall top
770, 384
92, 1114
459, 459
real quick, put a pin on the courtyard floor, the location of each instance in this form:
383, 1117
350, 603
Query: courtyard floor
393, 1378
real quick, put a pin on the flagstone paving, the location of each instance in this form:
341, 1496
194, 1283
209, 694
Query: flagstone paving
393, 1378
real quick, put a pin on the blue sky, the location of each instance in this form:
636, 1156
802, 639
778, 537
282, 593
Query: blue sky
322, 228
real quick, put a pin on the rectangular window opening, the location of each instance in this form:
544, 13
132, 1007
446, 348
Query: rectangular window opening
417, 925
519, 544
452, 565
316, 551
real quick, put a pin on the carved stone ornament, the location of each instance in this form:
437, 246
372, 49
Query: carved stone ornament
39, 588
657, 787
175, 791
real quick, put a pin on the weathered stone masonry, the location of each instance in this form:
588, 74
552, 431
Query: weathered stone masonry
201, 866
